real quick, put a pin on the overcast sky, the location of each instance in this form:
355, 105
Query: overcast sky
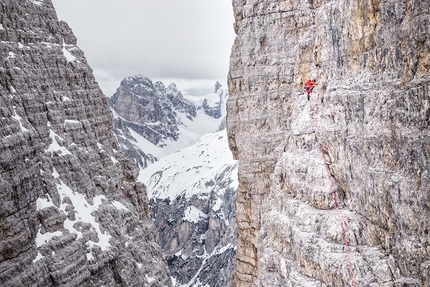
187, 42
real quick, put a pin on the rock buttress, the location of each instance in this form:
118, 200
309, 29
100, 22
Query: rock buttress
371, 59
72, 213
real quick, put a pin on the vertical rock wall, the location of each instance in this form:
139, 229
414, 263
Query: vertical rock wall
371, 59
71, 211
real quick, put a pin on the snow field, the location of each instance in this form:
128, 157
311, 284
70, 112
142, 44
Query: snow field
188, 171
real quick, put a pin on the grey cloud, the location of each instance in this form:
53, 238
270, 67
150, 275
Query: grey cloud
188, 39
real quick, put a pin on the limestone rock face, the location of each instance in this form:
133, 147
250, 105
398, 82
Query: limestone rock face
72, 213
371, 127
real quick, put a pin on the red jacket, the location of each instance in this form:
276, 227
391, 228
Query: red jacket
309, 84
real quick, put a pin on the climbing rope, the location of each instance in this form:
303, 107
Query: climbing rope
333, 194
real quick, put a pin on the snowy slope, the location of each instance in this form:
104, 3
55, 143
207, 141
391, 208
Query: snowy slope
192, 194
187, 171
188, 131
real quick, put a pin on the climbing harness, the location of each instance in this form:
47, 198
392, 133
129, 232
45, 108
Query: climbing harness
333, 194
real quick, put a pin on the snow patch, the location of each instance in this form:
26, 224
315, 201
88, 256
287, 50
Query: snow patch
43, 238
193, 214
72, 122
101, 147
11, 55
67, 54
55, 173
89, 256
1, 27
150, 279
118, 205
38, 257
84, 213
42, 203
36, 2
18, 118
114, 160
55, 146
217, 205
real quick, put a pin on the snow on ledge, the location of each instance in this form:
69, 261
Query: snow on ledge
42, 203
193, 214
67, 54
36, 2
18, 118
55, 146
38, 257
43, 238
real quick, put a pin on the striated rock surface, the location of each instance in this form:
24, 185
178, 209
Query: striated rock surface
192, 194
372, 119
72, 213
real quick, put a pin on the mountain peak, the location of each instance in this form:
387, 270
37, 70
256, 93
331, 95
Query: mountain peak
218, 85
138, 80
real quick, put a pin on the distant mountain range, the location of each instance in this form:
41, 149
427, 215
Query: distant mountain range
181, 148
152, 121
192, 193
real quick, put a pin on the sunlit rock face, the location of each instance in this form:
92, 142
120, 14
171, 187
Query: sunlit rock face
371, 59
72, 213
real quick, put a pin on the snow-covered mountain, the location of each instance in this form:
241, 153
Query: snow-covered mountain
192, 194
152, 121
189, 171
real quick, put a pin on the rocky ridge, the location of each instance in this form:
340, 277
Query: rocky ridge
372, 113
152, 121
215, 109
72, 213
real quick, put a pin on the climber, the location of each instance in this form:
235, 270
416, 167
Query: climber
309, 86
